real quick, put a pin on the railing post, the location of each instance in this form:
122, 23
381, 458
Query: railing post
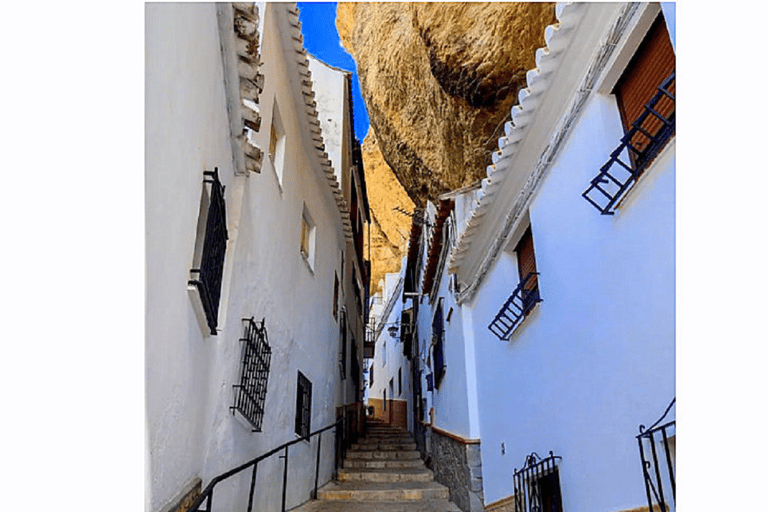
646, 476
663, 502
317, 463
670, 469
285, 476
253, 487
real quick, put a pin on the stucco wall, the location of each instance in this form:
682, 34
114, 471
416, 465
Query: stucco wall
596, 358
191, 431
183, 69
389, 358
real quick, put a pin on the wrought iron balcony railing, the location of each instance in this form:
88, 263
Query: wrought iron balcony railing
643, 141
207, 277
519, 304
251, 393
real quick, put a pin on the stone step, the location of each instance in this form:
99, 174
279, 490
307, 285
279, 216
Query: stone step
383, 446
384, 428
383, 463
389, 454
387, 437
369, 491
385, 475
378, 506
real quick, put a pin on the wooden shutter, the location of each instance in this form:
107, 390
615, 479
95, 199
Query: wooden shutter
653, 62
526, 260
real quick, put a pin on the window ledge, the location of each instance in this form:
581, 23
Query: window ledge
629, 195
197, 306
308, 264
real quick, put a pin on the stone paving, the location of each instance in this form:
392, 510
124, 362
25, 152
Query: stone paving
382, 472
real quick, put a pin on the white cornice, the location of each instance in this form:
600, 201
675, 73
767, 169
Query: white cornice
300, 78
525, 115
240, 40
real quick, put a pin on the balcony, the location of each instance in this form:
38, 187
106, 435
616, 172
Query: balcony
517, 306
643, 141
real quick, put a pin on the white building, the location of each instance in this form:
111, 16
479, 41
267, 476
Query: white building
546, 322
249, 236
390, 394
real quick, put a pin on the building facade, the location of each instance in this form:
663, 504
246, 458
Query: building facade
546, 293
254, 329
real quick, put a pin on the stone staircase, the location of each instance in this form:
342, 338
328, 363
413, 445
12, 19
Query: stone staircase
383, 472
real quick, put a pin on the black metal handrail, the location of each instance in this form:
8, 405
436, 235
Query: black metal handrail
515, 308
340, 446
655, 490
611, 187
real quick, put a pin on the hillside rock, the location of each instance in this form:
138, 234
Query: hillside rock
438, 81
389, 228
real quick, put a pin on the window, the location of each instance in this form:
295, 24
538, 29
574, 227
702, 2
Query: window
343, 341
277, 143
370, 384
384, 394
399, 381
335, 296
645, 95
384, 353
652, 63
525, 296
210, 248
537, 485
303, 405
526, 269
391, 388
254, 373
438, 335
307, 247
355, 367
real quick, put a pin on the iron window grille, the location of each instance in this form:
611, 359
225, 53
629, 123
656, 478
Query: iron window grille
208, 276
517, 306
537, 485
303, 405
651, 131
658, 468
251, 393
438, 337
343, 348
355, 368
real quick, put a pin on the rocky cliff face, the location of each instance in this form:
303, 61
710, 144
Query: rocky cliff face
438, 80
389, 228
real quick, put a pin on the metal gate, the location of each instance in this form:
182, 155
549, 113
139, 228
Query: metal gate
537, 485
657, 455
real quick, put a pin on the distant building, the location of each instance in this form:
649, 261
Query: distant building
543, 298
256, 282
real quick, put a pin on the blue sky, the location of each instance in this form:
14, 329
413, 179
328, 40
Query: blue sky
318, 24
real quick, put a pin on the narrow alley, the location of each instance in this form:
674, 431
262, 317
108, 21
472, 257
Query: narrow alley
471, 307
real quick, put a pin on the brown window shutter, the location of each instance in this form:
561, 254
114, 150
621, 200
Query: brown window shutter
526, 260
653, 61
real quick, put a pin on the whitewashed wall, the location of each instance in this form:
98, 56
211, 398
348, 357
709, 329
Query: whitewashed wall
596, 358
189, 375
388, 354
451, 400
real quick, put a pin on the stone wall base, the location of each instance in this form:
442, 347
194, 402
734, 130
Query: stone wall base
457, 464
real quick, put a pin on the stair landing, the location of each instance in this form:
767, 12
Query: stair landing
382, 473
